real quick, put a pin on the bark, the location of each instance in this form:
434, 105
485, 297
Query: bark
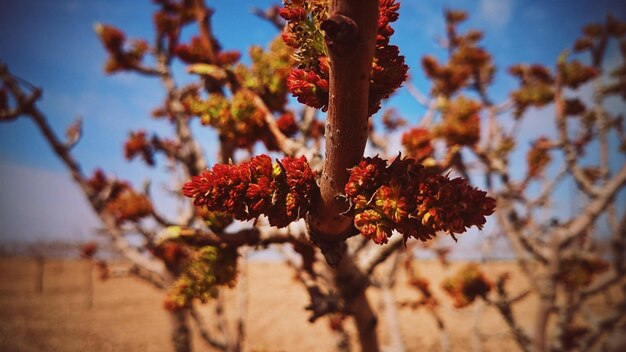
180, 332
350, 39
352, 284
181, 336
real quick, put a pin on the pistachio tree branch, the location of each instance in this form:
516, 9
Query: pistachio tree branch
350, 38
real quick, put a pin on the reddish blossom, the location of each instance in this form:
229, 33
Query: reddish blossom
574, 74
412, 200
287, 124
461, 122
576, 272
229, 57
88, 250
309, 88
98, 181
391, 120
417, 143
446, 79
574, 107
466, 285
129, 205
112, 38
138, 144
538, 157
303, 32
194, 52
282, 191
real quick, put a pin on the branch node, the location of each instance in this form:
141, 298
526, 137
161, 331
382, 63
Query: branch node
341, 33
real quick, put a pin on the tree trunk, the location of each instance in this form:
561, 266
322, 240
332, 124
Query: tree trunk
179, 319
181, 336
352, 284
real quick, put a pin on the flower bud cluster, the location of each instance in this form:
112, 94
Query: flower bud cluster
576, 271
388, 67
268, 73
538, 157
415, 201
121, 200
309, 82
391, 120
466, 285
461, 122
573, 74
281, 191
138, 144
238, 119
536, 87
121, 57
469, 64
207, 268
195, 52
417, 143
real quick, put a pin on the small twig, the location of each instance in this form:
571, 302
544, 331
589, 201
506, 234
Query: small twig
204, 330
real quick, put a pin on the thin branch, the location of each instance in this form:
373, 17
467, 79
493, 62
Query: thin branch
379, 254
204, 330
419, 96
605, 196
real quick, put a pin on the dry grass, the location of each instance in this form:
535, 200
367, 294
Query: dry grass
124, 314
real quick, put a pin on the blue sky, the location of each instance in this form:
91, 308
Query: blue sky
52, 44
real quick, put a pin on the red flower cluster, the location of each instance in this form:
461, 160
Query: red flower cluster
391, 120
98, 181
88, 250
129, 206
538, 157
468, 63
287, 124
461, 122
173, 254
446, 79
412, 200
309, 82
282, 191
466, 285
120, 199
120, 57
573, 74
388, 67
138, 144
309, 88
536, 87
417, 143
574, 107
576, 272
194, 52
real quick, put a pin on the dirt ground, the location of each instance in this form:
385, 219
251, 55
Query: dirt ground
125, 314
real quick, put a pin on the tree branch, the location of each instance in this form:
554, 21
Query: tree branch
350, 38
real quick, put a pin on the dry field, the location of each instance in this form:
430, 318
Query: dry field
124, 314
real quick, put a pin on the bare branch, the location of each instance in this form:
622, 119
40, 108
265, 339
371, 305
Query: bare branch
204, 330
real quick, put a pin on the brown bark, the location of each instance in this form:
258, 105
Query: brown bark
352, 284
350, 39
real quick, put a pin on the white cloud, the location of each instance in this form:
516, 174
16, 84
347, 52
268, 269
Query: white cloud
496, 12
